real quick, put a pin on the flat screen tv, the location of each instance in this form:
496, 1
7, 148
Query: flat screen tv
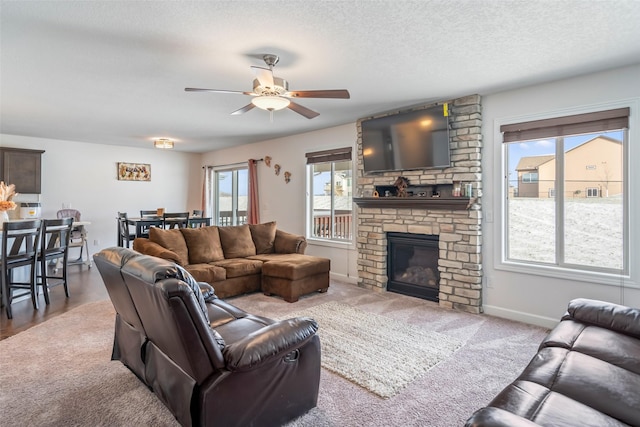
412, 140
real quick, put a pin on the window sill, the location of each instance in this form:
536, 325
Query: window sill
341, 244
608, 279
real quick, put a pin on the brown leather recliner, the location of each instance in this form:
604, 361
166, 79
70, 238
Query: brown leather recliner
586, 373
209, 362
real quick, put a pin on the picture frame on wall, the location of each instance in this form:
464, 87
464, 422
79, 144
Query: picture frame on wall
134, 171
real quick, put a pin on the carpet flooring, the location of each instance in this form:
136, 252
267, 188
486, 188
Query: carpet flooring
60, 373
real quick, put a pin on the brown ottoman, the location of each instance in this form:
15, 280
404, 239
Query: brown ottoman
293, 275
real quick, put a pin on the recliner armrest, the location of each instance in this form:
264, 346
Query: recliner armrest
616, 317
271, 342
496, 417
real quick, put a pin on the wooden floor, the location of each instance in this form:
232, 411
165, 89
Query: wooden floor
85, 285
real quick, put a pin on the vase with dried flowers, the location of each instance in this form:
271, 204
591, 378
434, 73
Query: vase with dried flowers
7, 193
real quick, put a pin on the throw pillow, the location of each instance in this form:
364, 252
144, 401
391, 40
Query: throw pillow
203, 244
236, 241
264, 236
172, 240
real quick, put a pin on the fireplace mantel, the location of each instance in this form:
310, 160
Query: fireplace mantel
457, 203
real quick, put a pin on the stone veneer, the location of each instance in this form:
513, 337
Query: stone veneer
459, 231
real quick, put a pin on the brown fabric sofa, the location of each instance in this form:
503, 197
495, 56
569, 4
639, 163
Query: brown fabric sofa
233, 259
586, 373
210, 363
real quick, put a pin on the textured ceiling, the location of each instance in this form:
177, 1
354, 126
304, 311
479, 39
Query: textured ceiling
114, 72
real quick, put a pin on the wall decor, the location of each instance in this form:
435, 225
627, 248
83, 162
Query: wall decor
287, 177
277, 169
267, 160
134, 171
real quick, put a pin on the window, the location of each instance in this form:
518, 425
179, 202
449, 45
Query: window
330, 195
593, 192
572, 214
230, 196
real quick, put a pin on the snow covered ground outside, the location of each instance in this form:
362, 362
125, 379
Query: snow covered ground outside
593, 231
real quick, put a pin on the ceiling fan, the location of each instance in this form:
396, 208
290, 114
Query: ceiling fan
272, 93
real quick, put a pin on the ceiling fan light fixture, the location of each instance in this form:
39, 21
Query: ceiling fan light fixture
163, 143
270, 103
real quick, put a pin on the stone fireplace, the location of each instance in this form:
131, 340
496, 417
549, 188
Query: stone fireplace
455, 221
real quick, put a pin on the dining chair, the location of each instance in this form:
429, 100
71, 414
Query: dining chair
197, 212
197, 222
20, 245
145, 214
125, 236
175, 219
54, 249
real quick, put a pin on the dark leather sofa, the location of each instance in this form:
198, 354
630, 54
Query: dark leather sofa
586, 373
209, 362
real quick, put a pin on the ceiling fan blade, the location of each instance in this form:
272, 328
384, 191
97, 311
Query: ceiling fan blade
193, 89
264, 76
243, 109
309, 114
337, 93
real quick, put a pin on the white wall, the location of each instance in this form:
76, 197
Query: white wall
531, 297
84, 175
286, 203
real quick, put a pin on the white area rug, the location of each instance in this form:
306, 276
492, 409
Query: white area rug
378, 353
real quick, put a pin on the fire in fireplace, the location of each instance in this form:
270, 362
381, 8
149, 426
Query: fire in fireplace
412, 265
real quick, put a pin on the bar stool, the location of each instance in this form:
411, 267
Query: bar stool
20, 245
54, 245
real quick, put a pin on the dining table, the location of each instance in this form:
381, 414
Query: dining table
142, 224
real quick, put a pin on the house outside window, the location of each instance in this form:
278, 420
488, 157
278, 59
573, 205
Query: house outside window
330, 195
230, 188
573, 215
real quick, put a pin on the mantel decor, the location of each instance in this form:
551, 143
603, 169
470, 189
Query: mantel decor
134, 171
458, 203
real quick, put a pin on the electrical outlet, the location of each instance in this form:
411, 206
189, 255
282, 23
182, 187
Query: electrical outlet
488, 282
489, 216
96, 242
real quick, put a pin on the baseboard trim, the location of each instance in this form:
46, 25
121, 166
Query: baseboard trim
343, 278
533, 319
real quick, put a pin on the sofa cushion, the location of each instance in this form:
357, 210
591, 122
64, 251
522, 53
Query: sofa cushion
264, 236
238, 267
236, 241
172, 240
203, 244
207, 272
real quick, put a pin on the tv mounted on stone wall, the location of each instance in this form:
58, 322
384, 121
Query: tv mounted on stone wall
416, 139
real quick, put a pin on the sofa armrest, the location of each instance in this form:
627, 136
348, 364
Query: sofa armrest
288, 243
268, 343
147, 247
607, 315
496, 417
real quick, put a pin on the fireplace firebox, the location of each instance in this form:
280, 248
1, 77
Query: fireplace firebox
412, 265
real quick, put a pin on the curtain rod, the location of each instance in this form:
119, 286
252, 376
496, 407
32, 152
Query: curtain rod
229, 164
